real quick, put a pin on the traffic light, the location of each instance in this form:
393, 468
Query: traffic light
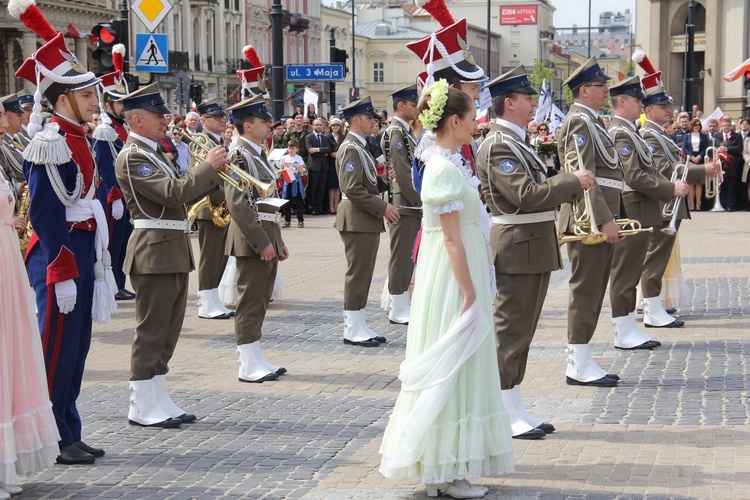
341, 57
107, 36
196, 93
132, 82
746, 83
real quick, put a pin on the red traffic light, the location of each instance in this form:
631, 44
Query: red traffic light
105, 36
106, 33
747, 74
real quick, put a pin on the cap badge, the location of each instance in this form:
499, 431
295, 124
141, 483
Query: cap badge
465, 46
73, 60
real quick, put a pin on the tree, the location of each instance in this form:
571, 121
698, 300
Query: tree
540, 73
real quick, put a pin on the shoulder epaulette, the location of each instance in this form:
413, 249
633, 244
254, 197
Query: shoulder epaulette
48, 147
105, 132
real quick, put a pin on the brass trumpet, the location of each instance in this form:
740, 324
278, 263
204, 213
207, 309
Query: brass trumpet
672, 208
712, 181
234, 176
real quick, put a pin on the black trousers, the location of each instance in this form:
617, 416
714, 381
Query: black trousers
316, 189
299, 206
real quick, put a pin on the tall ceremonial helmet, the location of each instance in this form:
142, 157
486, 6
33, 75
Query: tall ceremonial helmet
111, 88
652, 83
252, 79
445, 52
52, 67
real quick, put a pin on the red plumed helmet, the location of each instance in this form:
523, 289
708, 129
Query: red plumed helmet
438, 10
30, 15
251, 56
118, 58
642, 60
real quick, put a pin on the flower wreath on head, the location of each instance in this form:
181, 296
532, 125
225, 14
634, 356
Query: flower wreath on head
438, 92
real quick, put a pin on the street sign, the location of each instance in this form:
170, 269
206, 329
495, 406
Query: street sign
315, 72
151, 12
151, 52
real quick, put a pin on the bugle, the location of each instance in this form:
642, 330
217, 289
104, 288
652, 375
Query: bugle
672, 208
712, 181
584, 227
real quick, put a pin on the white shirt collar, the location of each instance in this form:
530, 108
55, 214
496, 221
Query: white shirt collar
625, 120
515, 128
591, 110
257, 148
152, 144
403, 122
359, 138
655, 125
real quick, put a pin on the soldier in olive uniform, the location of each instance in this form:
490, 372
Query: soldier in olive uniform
398, 145
523, 237
254, 238
26, 101
211, 238
644, 188
583, 131
666, 156
11, 150
360, 219
159, 258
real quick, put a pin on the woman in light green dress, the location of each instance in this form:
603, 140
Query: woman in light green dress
449, 424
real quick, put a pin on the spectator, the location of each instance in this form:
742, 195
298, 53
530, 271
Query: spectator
182, 157
605, 119
712, 126
694, 144
745, 131
311, 114
288, 124
383, 116
336, 137
730, 142
298, 133
277, 135
193, 123
373, 141
696, 111
318, 147
683, 128
228, 133
531, 127
293, 191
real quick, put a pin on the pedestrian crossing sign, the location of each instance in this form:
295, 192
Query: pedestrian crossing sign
151, 52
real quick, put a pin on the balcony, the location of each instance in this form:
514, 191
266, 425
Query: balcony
179, 61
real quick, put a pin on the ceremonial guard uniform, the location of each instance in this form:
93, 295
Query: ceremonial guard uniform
158, 260
109, 137
398, 145
523, 239
359, 221
254, 227
212, 234
66, 257
584, 131
666, 156
644, 188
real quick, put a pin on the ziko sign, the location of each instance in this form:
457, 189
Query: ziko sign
518, 14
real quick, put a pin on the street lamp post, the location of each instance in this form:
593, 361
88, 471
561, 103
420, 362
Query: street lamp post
353, 94
589, 44
277, 58
488, 70
687, 94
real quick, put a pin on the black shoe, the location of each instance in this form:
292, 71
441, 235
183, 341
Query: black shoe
546, 428
364, 343
122, 295
379, 339
532, 434
600, 382
397, 323
270, 376
613, 376
169, 423
73, 455
671, 310
221, 316
281, 371
674, 324
187, 418
97, 452
649, 344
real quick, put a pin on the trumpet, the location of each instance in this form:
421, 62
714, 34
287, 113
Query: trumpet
235, 175
672, 208
712, 181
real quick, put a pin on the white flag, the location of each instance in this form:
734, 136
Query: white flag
718, 113
545, 104
556, 117
311, 97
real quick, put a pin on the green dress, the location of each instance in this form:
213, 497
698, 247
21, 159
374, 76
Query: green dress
459, 428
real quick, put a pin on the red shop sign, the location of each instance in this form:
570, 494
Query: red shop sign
518, 14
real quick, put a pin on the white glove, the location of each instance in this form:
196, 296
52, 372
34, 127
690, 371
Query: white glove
118, 209
66, 295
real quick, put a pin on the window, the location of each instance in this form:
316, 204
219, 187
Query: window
378, 72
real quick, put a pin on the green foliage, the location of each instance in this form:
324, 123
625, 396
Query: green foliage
629, 68
568, 95
539, 73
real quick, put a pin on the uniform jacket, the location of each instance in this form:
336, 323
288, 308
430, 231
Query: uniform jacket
734, 148
514, 181
650, 187
106, 156
318, 161
363, 209
216, 196
22, 137
576, 128
47, 212
666, 155
12, 157
399, 152
152, 194
248, 236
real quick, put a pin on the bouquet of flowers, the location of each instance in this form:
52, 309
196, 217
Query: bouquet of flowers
546, 146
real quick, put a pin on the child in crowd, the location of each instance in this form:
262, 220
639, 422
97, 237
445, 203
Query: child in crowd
293, 191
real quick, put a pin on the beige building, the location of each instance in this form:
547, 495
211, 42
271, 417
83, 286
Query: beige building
722, 42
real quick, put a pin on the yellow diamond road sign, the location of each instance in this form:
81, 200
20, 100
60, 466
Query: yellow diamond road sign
151, 12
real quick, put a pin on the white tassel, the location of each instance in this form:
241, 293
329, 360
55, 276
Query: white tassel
104, 132
48, 147
385, 297
109, 276
100, 312
228, 284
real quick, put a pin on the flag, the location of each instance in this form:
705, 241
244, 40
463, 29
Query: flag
311, 97
620, 76
718, 113
737, 72
545, 103
556, 117
482, 116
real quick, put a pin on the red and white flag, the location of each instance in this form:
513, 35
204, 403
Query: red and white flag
737, 72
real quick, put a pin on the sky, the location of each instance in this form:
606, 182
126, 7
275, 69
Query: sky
570, 12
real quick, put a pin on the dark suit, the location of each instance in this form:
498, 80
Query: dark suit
317, 168
687, 146
728, 192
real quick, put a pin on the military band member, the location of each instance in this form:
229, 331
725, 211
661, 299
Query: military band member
211, 237
666, 156
11, 150
644, 188
69, 224
398, 145
523, 236
159, 257
359, 219
109, 137
254, 239
26, 101
584, 131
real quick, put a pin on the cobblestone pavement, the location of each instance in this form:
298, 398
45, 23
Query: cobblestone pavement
676, 427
